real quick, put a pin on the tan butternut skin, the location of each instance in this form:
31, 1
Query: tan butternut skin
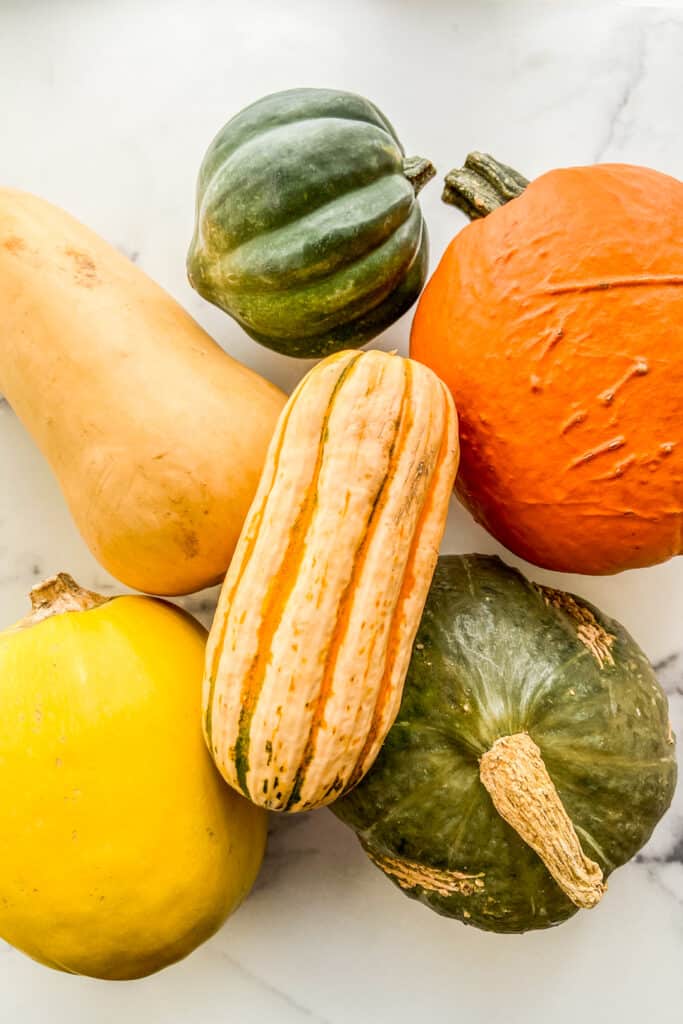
156, 436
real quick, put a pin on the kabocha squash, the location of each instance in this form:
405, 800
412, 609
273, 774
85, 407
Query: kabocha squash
307, 228
531, 756
556, 319
121, 848
312, 636
156, 436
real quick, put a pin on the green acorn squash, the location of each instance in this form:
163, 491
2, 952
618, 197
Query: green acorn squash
307, 228
531, 756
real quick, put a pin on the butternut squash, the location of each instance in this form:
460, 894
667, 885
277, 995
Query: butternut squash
314, 628
157, 436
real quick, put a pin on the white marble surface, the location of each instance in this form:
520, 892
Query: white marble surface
106, 109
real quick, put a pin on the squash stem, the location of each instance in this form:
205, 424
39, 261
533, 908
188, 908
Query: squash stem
517, 780
59, 594
482, 185
418, 171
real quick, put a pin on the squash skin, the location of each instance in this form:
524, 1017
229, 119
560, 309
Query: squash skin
121, 849
312, 635
156, 436
496, 655
555, 320
307, 230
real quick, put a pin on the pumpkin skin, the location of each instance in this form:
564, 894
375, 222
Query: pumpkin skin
496, 655
156, 436
307, 228
312, 636
556, 321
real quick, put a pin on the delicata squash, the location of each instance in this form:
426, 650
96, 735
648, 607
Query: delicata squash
156, 436
312, 637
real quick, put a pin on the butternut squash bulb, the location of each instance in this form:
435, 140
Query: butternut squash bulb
312, 636
121, 848
156, 436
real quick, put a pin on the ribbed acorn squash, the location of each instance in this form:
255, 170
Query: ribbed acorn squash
307, 230
531, 756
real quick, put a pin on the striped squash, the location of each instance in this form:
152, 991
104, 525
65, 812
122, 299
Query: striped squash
318, 613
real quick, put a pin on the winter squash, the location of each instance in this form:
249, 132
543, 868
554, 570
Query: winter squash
307, 229
531, 756
312, 636
121, 849
156, 436
555, 318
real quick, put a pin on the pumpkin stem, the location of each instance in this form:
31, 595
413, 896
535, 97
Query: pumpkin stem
59, 594
525, 796
482, 185
418, 171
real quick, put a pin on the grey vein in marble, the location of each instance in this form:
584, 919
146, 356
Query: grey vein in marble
303, 1011
636, 73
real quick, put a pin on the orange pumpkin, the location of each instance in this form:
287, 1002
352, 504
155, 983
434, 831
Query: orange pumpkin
556, 319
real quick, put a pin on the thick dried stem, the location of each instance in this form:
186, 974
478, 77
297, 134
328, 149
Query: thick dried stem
59, 594
482, 185
525, 796
418, 171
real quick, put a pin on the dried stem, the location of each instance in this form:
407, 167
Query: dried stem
524, 795
418, 171
482, 185
59, 594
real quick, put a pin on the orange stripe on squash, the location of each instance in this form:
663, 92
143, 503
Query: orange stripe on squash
426, 550
344, 616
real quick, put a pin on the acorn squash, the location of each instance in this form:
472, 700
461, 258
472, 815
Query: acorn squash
307, 229
531, 756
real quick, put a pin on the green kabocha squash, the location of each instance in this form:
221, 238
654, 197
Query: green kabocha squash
531, 756
307, 228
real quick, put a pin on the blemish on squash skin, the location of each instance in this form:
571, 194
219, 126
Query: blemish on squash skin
14, 244
618, 469
549, 342
639, 369
601, 449
588, 630
574, 420
639, 281
411, 875
85, 271
189, 541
